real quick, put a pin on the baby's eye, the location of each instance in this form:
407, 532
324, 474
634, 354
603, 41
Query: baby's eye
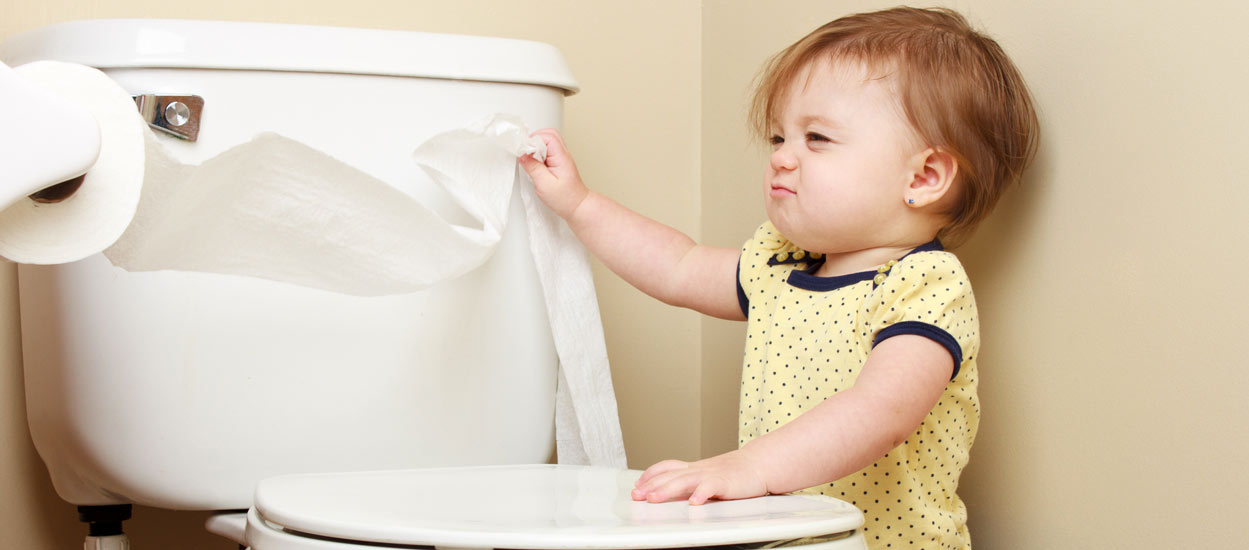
776, 140
812, 136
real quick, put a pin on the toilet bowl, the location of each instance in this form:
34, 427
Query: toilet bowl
198, 391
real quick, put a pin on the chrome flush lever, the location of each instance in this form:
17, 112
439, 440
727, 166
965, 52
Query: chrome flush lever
174, 114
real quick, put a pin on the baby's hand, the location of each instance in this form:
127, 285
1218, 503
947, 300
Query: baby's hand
728, 476
557, 181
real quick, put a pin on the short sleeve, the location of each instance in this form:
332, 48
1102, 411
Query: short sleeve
758, 261
929, 295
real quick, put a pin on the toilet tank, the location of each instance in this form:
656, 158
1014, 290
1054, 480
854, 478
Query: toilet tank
183, 390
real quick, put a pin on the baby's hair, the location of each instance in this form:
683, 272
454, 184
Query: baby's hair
959, 90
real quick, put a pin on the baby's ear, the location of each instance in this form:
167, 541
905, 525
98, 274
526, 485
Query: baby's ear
932, 178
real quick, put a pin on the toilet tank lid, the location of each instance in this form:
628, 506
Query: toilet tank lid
169, 43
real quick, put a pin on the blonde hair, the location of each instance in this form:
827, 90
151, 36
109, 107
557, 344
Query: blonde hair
959, 90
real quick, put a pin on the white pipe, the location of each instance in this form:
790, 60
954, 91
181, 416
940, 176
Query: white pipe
112, 542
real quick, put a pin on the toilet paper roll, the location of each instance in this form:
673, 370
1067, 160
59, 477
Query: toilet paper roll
98, 213
45, 140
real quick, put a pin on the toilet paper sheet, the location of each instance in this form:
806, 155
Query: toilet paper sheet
587, 428
277, 209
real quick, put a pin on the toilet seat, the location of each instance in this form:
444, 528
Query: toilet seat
540, 507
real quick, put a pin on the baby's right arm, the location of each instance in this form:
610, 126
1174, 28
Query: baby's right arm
651, 256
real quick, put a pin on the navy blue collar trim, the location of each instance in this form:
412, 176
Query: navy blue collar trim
807, 280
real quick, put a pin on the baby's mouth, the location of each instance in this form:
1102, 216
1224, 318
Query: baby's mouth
781, 191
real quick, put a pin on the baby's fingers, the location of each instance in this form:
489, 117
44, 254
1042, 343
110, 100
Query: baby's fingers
674, 485
710, 488
556, 153
660, 468
531, 165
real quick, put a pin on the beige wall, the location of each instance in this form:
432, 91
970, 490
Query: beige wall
1112, 367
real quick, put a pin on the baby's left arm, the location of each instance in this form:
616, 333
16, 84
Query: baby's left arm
901, 381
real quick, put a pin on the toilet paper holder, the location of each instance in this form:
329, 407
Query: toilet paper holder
177, 115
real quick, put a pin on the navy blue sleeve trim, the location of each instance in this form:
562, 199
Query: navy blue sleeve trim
931, 332
742, 301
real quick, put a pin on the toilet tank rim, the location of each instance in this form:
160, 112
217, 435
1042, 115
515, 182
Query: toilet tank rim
197, 44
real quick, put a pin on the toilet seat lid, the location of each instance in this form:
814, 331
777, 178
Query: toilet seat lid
534, 506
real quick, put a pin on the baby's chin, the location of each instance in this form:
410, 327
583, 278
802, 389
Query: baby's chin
787, 230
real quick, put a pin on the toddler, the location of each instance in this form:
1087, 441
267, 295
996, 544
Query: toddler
891, 133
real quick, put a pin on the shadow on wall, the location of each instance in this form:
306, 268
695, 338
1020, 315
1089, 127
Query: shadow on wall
997, 247
55, 520
31, 515
994, 258
153, 528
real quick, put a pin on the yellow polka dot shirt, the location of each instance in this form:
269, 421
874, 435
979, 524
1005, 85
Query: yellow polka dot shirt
807, 339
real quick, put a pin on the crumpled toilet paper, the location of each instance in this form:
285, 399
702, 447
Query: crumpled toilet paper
264, 208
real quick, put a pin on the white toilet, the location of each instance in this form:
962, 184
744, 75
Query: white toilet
432, 412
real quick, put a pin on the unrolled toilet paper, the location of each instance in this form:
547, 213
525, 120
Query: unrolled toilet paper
277, 209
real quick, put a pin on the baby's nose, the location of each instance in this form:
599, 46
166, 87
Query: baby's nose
783, 159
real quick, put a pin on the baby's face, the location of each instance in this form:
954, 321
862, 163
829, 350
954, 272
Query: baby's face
843, 157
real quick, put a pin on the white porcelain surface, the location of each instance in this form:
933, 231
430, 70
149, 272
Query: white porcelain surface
538, 506
183, 390
164, 43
